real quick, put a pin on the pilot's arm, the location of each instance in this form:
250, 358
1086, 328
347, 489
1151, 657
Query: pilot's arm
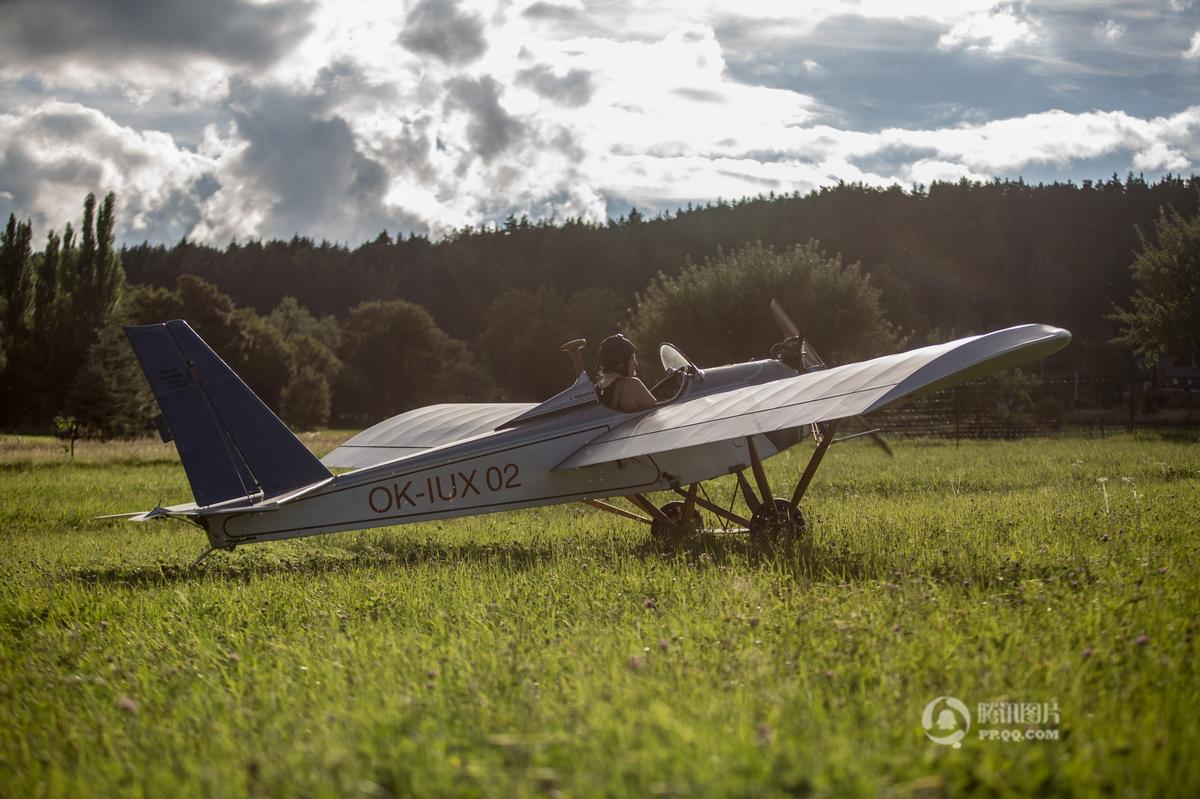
635, 396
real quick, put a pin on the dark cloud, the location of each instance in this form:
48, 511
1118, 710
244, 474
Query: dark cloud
889, 160
573, 89
754, 180
601, 20
1140, 72
177, 215
345, 80
542, 10
877, 73
236, 31
438, 28
408, 151
323, 185
874, 73
565, 143
699, 95
492, 129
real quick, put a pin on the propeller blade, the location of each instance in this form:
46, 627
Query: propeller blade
878, 439
783, 320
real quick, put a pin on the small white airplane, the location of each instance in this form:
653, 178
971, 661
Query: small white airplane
253, 480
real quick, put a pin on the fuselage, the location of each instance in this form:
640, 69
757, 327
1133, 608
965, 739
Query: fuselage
505, 469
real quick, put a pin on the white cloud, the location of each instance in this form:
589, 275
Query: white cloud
1194, 50
1159, 155
1058, 138
990, 31
927, 170
534, 109
65, 150
1111, 30
53, 154
655, 18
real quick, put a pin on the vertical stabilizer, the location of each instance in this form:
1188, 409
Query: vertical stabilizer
231, 444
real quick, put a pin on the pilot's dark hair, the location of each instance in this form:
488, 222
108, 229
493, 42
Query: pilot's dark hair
614, 355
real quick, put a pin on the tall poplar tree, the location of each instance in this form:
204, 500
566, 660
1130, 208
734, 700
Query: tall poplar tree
16, 293
16, 278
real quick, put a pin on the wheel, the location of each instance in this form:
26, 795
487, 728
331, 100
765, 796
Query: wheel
785, 525
676, 529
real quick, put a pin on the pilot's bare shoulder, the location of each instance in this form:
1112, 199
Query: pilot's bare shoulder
635, 396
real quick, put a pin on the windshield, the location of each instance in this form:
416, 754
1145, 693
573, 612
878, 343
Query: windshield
672, 358
809, 358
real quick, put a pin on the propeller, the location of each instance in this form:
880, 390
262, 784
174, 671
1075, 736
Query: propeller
795, 351
785, 322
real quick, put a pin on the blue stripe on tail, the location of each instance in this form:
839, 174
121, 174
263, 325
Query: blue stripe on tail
231, 444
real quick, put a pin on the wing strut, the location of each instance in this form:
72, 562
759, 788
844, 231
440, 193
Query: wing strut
814, 461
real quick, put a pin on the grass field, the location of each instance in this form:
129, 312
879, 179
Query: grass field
558, 652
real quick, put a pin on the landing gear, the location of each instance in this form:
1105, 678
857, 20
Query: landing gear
783, 523
673, 526
773, 520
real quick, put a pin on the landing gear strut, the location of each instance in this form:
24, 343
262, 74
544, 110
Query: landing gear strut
772, 519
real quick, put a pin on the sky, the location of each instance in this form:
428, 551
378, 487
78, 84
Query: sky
239, 119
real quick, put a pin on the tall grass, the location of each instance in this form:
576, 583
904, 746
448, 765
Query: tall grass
558, 651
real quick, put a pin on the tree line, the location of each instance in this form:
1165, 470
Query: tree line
328, 334
949, 257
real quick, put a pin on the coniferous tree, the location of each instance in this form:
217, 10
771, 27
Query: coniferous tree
109, 397
47, 290
16, 276
16, 295
100, 277
1165, 318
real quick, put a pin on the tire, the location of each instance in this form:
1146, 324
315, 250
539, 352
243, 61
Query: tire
786, 525
675, 531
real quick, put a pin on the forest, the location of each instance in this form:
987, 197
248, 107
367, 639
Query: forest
329, 334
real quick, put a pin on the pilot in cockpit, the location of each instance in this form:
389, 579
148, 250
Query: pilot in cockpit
618, 385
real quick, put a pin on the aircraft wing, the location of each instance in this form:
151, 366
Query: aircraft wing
823, 396
421, 429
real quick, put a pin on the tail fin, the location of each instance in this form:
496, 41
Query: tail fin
230, 443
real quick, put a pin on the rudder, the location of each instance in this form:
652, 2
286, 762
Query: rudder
231, 444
